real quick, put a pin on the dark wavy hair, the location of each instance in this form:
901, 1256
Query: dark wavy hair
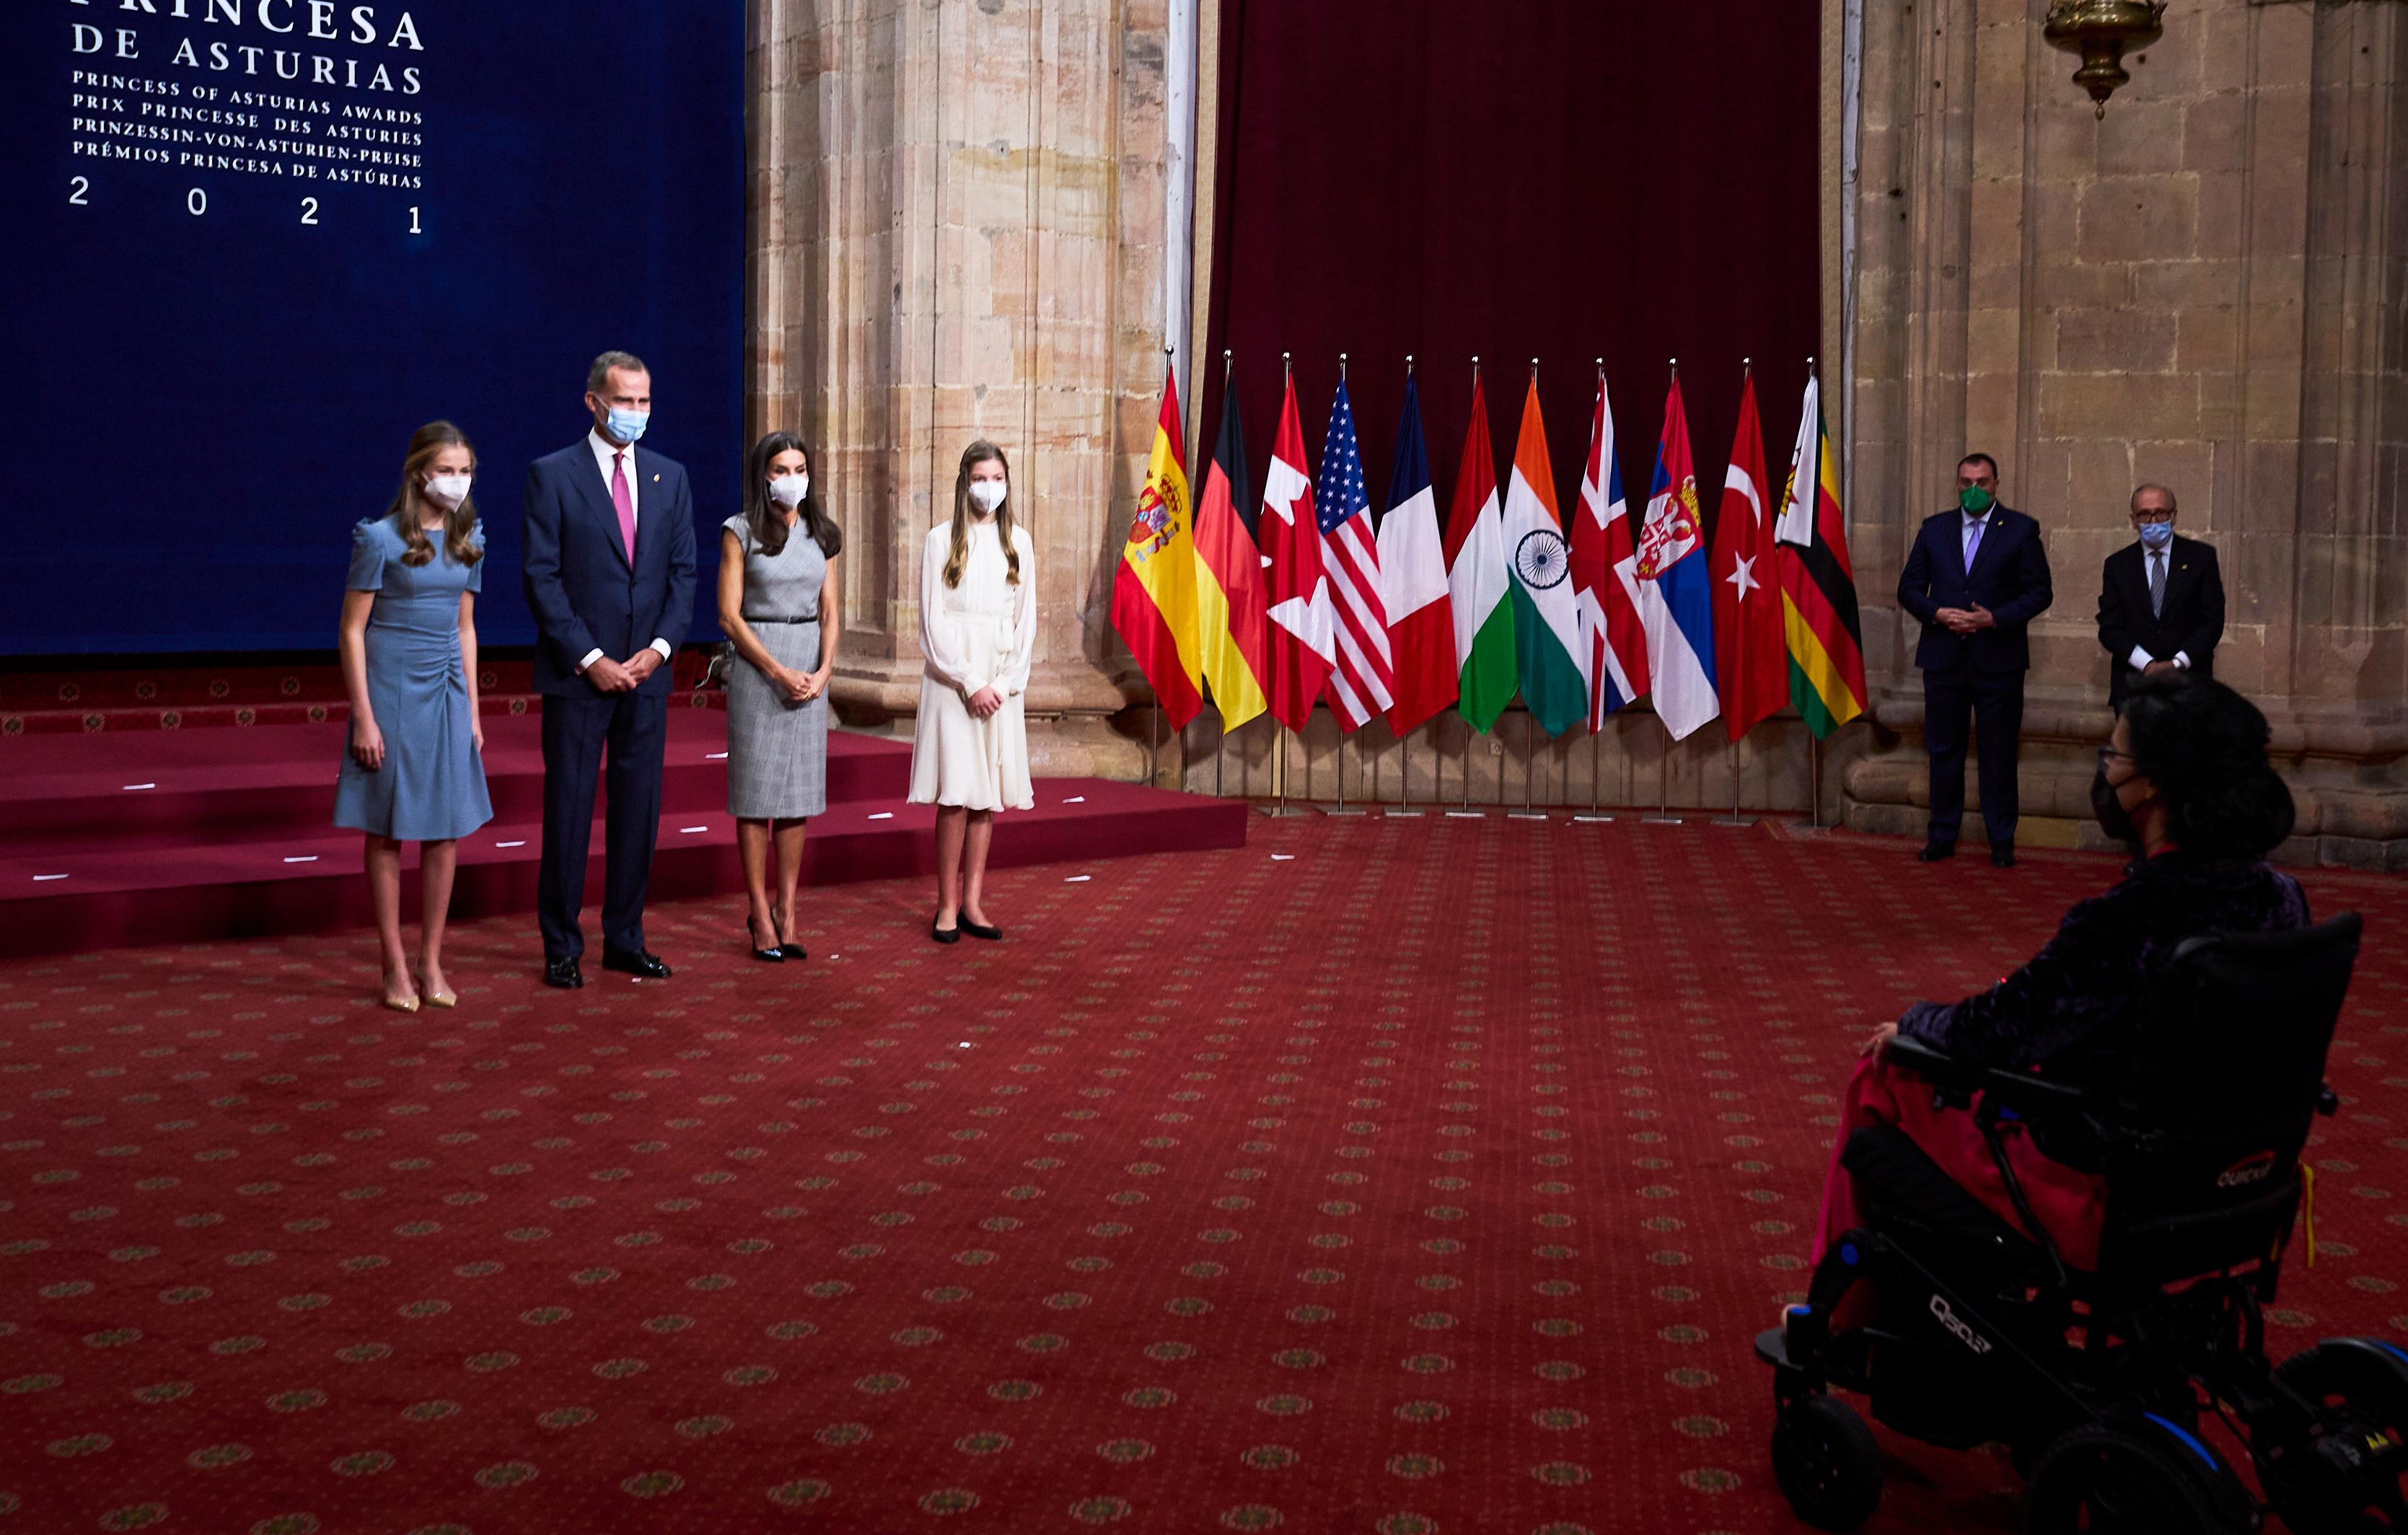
2204, 747
767, 523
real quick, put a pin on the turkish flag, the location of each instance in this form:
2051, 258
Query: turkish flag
1751, 664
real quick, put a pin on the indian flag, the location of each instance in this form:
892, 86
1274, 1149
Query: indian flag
1538, 563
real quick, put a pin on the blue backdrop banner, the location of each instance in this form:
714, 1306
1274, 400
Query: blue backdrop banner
259, 242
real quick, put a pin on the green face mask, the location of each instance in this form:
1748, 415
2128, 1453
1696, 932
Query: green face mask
1975, 500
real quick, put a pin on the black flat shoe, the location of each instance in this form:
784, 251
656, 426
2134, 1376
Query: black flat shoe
1933, 851
943, 935
769, 954
640, 963
563, 973
2002, 855
980, 930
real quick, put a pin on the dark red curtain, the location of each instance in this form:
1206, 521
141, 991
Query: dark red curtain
1518, 179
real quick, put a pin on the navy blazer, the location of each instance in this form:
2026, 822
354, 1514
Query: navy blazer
2009, 577
2192, 622
579, 584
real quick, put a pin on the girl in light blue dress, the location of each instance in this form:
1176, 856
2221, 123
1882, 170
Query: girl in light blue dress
415, 771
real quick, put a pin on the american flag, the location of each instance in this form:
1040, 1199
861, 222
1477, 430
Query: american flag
1363, 681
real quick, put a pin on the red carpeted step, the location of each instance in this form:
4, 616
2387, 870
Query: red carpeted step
166, 789
62, 899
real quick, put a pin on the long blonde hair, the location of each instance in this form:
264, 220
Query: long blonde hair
408, 505
976, 453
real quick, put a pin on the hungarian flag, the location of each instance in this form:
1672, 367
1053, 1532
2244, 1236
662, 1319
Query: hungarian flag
1546, 622
1412, 579
1749, 660
1675, 588
1301, 643
1361, 675
1153, 592
1476, 580
1605, 576
1229, 619
1818, 591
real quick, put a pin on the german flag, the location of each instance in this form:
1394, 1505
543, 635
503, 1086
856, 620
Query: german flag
1818, 591
1229, 606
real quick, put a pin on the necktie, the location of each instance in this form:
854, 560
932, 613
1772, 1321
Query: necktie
1974, 541
2157, 584
625, 499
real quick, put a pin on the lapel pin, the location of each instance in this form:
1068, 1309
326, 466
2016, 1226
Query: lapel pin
656, 479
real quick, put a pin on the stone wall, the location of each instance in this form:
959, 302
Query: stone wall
2199, 288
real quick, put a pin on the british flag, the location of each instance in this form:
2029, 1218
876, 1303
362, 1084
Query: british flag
1363, 681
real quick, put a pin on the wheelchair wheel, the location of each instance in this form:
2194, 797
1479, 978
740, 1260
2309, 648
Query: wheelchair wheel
2351, 1487
2134, 1482
1827, 1463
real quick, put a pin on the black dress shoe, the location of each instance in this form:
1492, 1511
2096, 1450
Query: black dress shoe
1934, 851
2003, 855
638, 963
980, 930
943, 935
769, 953
563, 973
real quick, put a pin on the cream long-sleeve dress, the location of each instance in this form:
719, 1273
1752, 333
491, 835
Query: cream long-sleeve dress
975, 634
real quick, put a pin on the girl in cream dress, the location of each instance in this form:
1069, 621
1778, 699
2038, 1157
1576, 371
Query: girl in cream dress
977, 627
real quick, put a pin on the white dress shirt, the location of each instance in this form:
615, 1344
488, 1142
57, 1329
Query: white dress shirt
2139, 658
605, 453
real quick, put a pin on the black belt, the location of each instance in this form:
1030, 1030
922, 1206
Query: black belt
810, 618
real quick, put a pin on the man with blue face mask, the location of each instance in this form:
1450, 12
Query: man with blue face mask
608, 563
2160, 600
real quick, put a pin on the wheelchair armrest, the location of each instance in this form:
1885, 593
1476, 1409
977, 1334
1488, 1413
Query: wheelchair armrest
1956, 1080
2327, 1101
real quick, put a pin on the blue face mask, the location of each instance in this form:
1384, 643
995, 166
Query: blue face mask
626, 425
2156, 535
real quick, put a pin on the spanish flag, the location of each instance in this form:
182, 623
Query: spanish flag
1818, 591
1154, 592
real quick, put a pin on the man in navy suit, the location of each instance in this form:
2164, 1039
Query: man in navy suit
610, 578
1977, 577
2160, 600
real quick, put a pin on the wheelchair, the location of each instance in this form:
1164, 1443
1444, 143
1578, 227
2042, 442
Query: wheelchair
2100, 1382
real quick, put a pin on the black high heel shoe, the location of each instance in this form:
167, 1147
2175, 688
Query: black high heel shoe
785, 950
771, 955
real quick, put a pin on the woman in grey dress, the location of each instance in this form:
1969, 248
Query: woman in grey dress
778, 603
415, 771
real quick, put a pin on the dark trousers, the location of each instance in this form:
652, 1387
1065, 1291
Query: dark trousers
1992, 704
577, 729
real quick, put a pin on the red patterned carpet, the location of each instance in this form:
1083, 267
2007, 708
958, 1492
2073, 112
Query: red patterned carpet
1386, 1175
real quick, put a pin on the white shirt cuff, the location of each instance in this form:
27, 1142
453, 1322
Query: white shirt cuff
591, 656
663, 646
2139, 659
2182, 659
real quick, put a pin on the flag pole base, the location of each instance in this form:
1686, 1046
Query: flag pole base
1661, 820
1734, 821
1340, 810
1466, 815
1277, 811
1593, 820
1402, 812
1526, 816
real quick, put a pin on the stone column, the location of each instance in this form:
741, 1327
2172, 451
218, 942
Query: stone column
2197, 288
957, 221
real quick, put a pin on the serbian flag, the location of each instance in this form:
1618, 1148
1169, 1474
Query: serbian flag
1229, 619
1675, 587
1818, 592
1302, 640
1476, 580
1153, 592
1412, 579
1750, 663
1605, 576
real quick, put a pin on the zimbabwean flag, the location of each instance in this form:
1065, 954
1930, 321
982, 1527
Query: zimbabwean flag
1818, 592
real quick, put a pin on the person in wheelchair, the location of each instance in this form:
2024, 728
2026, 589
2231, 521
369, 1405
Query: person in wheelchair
2185, 782
2058, 1209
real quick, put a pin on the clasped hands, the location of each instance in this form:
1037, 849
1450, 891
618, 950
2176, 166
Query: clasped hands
1965, 620
608, 676
983, 703
801, 687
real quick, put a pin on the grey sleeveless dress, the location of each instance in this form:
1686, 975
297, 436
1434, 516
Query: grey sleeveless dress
777, 751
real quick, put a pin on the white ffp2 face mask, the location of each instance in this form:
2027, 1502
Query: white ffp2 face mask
448, 490
788, 490
987, 495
